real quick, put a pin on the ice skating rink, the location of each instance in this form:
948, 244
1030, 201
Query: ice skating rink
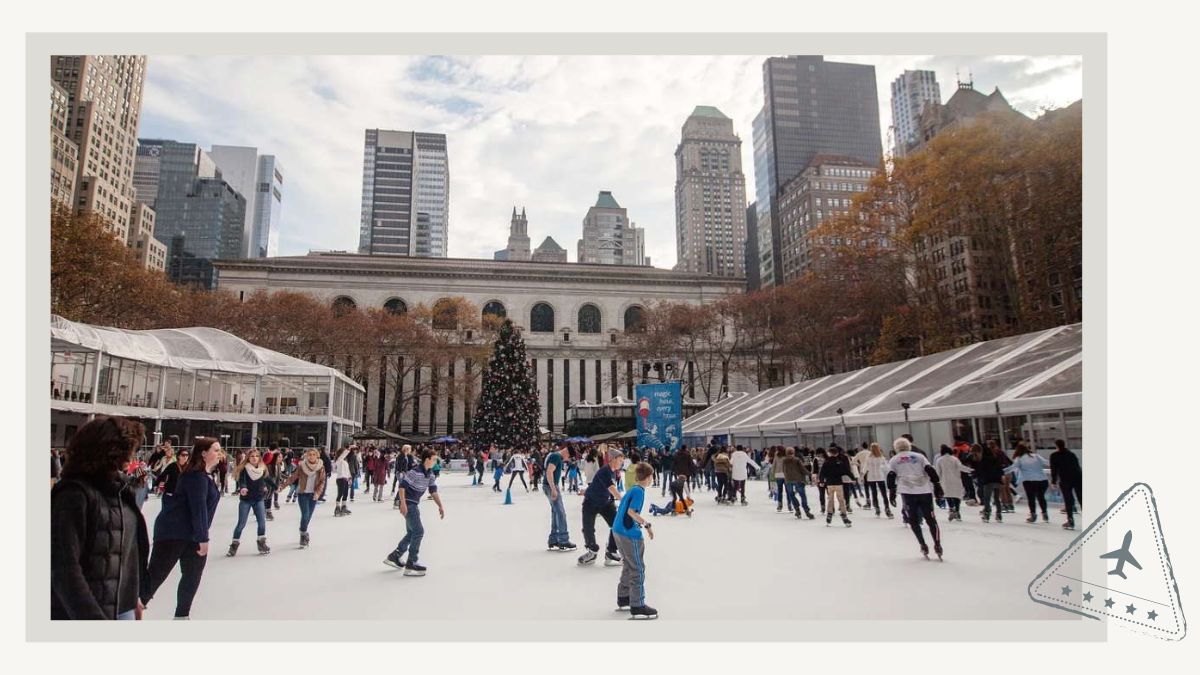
488, 561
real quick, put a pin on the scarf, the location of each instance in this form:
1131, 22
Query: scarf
310, 474
255, 472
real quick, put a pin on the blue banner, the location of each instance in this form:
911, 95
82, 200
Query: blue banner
659, 412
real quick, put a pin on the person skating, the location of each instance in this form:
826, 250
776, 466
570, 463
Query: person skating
795, 475
738, 462
1066, 474
1030, 470
497, 470
874, 473
600, 499
181, 529
989, 471
309, 477
950, 471
516, 468
252, 485
627, 529
413, 485
559, 539
343, 475
918, 483
98, 540
834, 469
722, 466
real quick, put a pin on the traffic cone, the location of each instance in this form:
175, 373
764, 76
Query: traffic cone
508, 497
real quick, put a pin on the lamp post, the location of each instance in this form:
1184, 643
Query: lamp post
845, 433
907, 424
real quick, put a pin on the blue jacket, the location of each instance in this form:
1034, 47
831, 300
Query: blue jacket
187, 515
1029, 467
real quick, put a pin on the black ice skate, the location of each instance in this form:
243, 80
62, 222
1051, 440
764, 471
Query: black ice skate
612, 560
303, 540
270, 515
622, 604
412, 569
393, 559
807, 513
1032, 518
643, 612
587, 558
876, 511
828, 519
845, 520
888, 512
925, 551
937, 548
233, 547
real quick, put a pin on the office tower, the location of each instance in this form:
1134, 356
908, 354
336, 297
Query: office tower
608, 236
810, 107
549, 251
710, 196
104, 105
406, 194
518, 238
751, 249
64, 154
200, 215
258, 178
911, 92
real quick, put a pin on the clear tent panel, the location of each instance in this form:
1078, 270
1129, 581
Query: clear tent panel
809, 400
1069, 381
1041, 357
867, 386
736, 413
969, 359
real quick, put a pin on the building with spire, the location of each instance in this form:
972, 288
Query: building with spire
518, 238
549, 251
961, 109
710, 196
608, 236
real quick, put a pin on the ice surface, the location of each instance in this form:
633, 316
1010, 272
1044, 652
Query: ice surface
488, 561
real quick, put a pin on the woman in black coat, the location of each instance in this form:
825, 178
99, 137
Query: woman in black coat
181, 529
98, 540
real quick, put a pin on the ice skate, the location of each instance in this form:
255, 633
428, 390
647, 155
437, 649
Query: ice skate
587, 558
345, 510
1032, 518
1045, 516
612, 560
304, 540
985, 516
263, 549
1069, 525
876, 511
233, 547
845, 520
412, 569
888, 512
270, 515
925, 551
622, 604
937, 548
809, 514
643, 612
999, 517
828, 519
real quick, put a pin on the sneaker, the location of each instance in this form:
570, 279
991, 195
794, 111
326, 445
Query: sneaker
622, 604
394, 560
587, 558
643, 612
412, 569
612, 560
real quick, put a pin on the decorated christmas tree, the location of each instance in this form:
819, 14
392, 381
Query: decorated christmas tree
507, 414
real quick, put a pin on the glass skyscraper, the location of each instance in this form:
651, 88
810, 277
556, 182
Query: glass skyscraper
406, 194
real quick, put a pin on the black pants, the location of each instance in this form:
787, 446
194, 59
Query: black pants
722, 485
163, 557
607, 512
1035, 494
1072, 491
968, 486
677, 494
877, 493
918, 508
737, 488
513, 477
343, 489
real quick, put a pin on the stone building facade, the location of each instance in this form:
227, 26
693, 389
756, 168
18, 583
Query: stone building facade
710, 196
572, 318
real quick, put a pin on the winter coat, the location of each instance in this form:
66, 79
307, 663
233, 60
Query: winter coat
681, 464
300, 478
256, 490
378, 467
793, 470
721, 463
188, 515
1030, 467
834, 468
875, 469
99, 548
990, 467
1064, 468
950, 472
739, 461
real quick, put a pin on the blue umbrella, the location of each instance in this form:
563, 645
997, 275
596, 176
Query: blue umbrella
445, 439
577, 439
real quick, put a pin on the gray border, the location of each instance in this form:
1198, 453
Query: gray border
39, 47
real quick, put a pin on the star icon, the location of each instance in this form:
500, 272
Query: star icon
1152, 615
1087, 597
1066, 590
1108, 602
1130, 609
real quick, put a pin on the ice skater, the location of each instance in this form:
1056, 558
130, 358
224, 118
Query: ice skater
627, 529
834, 470
910, 474
875, 469
600, 499
413, 484
309, 479
950, 470
559, 539
253, 487
516, 467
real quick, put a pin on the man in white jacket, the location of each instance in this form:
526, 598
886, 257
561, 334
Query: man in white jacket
738, 474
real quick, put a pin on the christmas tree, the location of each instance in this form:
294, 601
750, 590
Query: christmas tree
507, 414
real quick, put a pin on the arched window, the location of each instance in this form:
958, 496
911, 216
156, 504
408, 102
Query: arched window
445, 314
396, 306
541, 318
342, 305
496, 309
589, 319
635, 320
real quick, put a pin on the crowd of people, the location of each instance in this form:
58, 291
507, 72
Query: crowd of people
104, 564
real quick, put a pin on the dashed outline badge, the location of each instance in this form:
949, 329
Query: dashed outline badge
1118, 570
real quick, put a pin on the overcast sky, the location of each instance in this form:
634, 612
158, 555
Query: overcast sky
542, 132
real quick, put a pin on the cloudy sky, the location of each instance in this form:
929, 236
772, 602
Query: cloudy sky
543, 132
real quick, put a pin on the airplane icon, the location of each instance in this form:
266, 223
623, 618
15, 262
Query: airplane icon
1122, 556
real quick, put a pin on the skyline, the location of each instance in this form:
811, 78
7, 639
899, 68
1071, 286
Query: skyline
542, 132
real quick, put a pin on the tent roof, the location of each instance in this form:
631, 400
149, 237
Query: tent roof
1021, 373
375, 433
196, 348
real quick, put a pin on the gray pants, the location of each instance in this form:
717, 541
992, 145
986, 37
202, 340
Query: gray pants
633, 570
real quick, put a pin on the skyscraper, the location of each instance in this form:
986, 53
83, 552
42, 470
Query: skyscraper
518, 238
608, 236
406, 194
64, 154
910, 94
200, 215
258, 178
811, 107
710, 196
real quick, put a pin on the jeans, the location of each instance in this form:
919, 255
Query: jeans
163, 557
968, 486
989, 492
130, 615
414, 532
793, 489
1035, 493
307, 504
260, 515
558, 517
666, 479
779, 483
608, 513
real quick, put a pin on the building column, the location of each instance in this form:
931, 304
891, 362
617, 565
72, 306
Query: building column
96, 384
